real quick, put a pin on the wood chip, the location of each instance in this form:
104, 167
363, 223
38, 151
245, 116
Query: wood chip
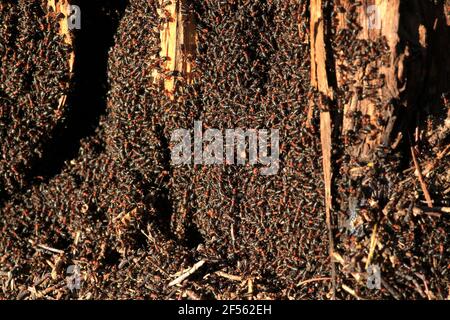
188, 273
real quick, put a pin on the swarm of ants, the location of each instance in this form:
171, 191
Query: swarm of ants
33, 78
132, 221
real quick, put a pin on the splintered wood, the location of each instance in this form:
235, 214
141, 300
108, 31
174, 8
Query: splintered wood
392, 73
61, 8
319, 80
178, 44
390, 68
379, 20
374, 65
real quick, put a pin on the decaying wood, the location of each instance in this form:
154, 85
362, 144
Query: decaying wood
62, 8
406, 78
375, 25
375, 64
178, 44
319, 80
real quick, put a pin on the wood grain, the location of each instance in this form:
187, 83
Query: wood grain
178, 44
319, 80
